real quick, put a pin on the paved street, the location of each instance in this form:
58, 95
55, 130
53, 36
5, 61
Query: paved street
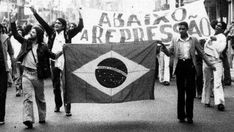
140, 116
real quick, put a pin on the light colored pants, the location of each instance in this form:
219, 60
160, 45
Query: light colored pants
30, 82
17, 74
163, 68
213, 82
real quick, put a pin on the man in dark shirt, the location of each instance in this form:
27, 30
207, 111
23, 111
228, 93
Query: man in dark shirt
5, 46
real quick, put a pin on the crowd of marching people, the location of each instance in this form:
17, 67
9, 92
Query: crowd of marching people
201, 67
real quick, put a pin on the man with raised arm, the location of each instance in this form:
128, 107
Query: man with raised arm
57, 37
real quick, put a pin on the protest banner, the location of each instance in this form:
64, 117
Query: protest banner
105, 26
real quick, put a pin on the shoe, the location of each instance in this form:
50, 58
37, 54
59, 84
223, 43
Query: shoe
198, 96
2, 122
189, 120
212, 95
28, 124
227, 83
207, 105
68, 114
42, 122
221, 107
166, 83
17, 93
57, 109
181, 121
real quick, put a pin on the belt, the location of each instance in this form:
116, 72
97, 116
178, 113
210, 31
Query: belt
30, 71
188, 59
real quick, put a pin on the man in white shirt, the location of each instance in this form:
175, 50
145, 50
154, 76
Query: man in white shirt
58, 35
184, 67
213, 48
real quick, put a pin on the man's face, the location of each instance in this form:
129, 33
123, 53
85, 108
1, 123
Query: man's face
182, 30
72, 26
58, 26
20, 32
33, 34
4, 23
218, 28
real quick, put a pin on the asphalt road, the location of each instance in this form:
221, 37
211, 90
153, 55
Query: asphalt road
157, 115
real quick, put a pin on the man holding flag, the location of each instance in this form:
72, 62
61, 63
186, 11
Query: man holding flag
184, 67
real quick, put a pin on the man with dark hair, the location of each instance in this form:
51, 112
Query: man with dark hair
184, 67
58, 36
213, 48
34, 56
213, 23
5, 47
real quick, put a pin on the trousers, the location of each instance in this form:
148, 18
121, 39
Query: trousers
185, 81
33, 86
163, 68
213, 83
56, 80
3, 91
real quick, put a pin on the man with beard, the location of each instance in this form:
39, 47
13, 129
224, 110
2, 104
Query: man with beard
34, 56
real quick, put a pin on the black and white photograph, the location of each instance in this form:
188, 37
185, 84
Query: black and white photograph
116, 65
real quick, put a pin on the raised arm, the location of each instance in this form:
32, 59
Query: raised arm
16, 35
43, 23
77, 29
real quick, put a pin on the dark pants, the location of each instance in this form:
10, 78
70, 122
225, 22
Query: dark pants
56, 78
227, 74
185, 80
199, 76
3, 91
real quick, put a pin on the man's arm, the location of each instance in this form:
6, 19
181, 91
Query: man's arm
201, 52
51, 54
10, 50
169, 51
13, 29
44, 24
77, 29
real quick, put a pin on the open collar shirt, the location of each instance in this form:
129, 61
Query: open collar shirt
184, 47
